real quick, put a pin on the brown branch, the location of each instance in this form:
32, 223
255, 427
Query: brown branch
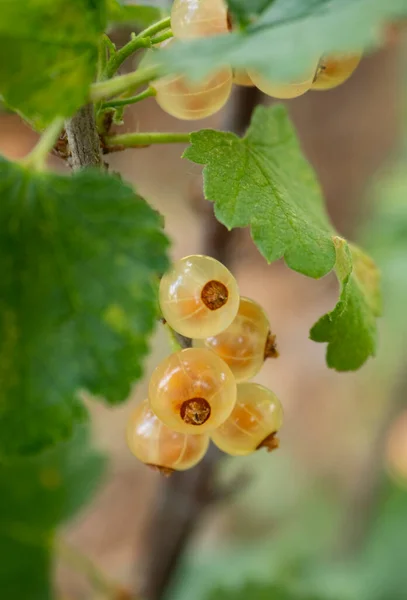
183, 498
83, 139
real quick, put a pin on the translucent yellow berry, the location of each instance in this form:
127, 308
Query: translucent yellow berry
254, 421
241, 77
334, 70
285, 90
189, 101
192, 391
156, 445
199, 296
246, 343
198, 18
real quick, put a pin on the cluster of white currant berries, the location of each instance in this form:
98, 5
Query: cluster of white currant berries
201, 18
202, 393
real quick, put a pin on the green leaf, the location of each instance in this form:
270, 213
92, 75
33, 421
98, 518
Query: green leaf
258, 591
25, 568
384, 235
245, 11
287, 37
141, 14
36, 495
351, 328
79, 258
48, 55
263, 181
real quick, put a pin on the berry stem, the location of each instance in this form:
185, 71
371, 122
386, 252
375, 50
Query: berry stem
103, 90
133, 140
148, 93
142, 40
178, 341
37, 157
165, 35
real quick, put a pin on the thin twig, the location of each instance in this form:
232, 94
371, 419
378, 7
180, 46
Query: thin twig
148, 93
133, 140
142, 40
102, 90
38, 155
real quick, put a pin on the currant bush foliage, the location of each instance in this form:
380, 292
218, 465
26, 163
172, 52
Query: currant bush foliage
259, 591
287, 36
263, 181
48, 55
79, 258
38, 494
351, 329
142, 15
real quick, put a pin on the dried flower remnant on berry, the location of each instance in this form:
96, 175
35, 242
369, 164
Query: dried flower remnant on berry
270, 349
271, 442
195, 411
214, 294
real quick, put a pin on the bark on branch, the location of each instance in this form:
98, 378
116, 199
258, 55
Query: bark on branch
83, 139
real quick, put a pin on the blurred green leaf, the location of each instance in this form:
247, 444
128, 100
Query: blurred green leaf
264, 181
256, 591
25, 568
385, 236
79, 258
140, 14
48, 55
36, 495
351, 328
42, 491
287, 37
382, 563
245, 11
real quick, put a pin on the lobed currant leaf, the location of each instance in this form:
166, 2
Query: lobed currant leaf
266, 45
141, 13
351, 329
36, 495
79, 258
264, 181
46, 70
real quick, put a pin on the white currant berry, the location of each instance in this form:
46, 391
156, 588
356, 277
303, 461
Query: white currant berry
199, 296
241, 77
334, 70
192, 391
253, 424
246, 343
285, 90
156, 445
190, 101
198, 18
